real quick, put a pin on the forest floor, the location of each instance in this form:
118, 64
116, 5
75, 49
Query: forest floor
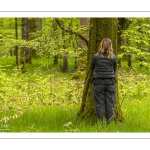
46, 100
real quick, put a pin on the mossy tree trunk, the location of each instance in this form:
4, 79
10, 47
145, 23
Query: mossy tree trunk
99, 29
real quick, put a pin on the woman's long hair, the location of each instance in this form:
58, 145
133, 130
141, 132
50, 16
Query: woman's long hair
105, 47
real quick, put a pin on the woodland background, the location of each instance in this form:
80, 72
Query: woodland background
44, 73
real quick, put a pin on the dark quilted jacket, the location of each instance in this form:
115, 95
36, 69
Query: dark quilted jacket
103, 67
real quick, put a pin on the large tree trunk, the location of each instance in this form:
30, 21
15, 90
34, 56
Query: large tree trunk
99, 28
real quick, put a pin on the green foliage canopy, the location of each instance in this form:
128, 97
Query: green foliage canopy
137, 36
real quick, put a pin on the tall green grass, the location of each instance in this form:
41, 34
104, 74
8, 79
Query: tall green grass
44, 119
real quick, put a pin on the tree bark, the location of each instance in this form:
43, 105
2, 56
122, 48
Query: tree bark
28, 58
99, 28
123, 25
65, 57
35, 25
25, 54
29, 26
16, 48
22, 53
23, 49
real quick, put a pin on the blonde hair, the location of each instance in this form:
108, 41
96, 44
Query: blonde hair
106, 45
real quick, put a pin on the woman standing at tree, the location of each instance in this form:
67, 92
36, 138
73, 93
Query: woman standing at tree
103, 66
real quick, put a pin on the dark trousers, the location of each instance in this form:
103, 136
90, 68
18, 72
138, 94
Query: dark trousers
104, 98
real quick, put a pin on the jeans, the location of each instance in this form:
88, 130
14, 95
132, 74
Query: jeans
104, 99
